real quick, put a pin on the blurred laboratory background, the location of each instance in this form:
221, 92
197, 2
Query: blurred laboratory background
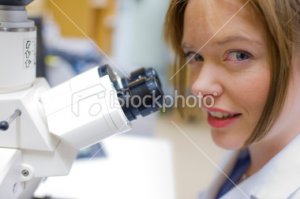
164, 156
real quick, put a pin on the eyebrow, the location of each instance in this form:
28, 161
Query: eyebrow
185, 45
237, 38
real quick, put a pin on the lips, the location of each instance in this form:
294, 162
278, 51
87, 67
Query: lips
219, 115
218, 118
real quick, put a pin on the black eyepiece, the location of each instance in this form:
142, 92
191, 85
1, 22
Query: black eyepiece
144, 72
139, 94
15, 2
141, 97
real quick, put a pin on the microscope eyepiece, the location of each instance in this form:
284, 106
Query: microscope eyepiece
15, 2
144, 72
141, 97
139, 94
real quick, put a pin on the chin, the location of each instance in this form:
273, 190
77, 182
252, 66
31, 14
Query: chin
226, 141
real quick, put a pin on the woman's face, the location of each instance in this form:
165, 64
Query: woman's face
226, 45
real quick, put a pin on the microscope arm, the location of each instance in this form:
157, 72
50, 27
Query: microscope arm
55, 123
42, 129
84, 110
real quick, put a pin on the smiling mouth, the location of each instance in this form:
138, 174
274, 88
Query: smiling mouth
222, 116
222, 120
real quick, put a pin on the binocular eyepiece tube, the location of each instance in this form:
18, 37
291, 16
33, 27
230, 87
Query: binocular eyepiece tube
139, 94
15, 2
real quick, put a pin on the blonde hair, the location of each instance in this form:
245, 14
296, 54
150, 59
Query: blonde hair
282, 20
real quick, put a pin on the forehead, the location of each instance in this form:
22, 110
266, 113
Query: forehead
214, 20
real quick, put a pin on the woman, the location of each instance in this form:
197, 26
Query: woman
246, 54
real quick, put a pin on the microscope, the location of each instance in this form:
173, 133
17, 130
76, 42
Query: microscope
42, 128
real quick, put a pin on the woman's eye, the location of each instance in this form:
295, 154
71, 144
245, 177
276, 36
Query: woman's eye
237, 56
193, 56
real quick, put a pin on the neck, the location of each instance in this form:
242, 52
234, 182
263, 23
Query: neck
263, 151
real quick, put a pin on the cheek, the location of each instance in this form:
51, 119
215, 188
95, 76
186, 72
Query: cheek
253, 93
248, 96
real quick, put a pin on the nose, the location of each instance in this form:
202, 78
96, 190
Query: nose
208, 81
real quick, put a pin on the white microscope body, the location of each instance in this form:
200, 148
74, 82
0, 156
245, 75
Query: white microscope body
42, 128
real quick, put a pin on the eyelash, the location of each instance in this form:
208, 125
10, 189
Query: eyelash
246, 57
192, 56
